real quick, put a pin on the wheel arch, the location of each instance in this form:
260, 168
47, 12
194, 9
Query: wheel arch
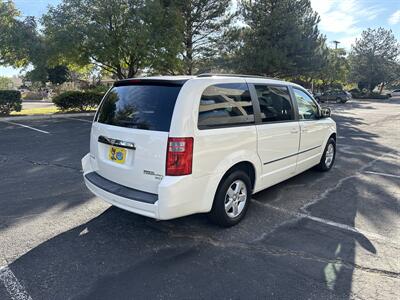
333, 135
246, 166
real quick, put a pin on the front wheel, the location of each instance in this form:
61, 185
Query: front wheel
231, 199
328, 158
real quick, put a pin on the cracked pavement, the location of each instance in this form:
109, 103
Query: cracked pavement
332, 235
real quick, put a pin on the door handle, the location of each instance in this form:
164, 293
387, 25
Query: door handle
294, 131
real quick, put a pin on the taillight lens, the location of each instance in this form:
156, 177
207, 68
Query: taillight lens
179, 156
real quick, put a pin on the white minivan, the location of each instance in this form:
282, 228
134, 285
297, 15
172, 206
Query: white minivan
167, 147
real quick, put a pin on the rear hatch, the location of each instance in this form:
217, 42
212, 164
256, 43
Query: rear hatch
130, 132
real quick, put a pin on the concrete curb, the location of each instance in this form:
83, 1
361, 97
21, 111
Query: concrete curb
43, 117
36, 101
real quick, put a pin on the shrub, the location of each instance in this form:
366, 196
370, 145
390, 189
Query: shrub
366, 94
75, 100
355, 93
374, 95
10, 101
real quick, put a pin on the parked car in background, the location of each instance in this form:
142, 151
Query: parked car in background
395, 93
167, 147
339, 96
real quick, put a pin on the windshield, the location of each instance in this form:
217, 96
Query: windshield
147, 107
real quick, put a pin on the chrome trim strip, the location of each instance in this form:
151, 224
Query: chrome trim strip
117, 143
301, 152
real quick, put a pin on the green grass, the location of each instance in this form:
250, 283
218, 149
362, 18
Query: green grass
43, 111
36, 111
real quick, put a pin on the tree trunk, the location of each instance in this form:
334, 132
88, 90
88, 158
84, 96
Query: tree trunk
189, 57
132, 70
381, 89
189, 40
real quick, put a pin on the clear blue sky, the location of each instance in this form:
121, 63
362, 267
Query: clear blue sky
341, 20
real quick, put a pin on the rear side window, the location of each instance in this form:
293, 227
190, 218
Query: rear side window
225, 105
147, 107
275, 103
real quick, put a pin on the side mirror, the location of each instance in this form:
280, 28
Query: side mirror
325, 112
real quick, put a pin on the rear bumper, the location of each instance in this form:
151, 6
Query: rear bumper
141, 208
176, 197
120, 190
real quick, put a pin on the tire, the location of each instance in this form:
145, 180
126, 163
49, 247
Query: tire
326, 164
227, 217
343, 101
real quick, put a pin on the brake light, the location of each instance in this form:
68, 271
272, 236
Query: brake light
179, 156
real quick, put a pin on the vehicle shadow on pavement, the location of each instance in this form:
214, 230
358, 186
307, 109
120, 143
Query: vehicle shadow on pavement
119, 255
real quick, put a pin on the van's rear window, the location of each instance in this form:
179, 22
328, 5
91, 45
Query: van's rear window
148, 107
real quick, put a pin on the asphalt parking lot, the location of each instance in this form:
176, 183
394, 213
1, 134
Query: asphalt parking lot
332, 235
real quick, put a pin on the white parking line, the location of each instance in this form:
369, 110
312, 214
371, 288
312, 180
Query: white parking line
14, 288
328, 222
382, 174
77, 119
25, 126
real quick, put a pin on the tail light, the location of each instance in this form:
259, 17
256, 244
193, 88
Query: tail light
179, 156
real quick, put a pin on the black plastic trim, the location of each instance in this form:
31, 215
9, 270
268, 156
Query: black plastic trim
120, 190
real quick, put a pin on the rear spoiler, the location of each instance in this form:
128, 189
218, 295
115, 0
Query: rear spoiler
145, 81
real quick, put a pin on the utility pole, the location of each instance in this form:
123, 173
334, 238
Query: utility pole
336, 44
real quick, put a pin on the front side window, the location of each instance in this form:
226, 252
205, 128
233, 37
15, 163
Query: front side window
275, 104
224, 105
308, 110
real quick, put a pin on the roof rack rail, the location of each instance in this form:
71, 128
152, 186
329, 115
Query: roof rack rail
233, 75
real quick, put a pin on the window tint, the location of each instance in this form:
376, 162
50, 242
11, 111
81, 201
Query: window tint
225, 104
275, 103
147, 107
308, 110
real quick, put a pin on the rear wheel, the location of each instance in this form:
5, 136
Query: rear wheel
328, 158
231, 199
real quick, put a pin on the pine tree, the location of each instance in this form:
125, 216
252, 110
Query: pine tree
281, 38
374, 58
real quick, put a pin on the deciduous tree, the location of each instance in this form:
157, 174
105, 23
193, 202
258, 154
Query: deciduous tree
58, 74
119, 36
5, 83
19, 39
335, 70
